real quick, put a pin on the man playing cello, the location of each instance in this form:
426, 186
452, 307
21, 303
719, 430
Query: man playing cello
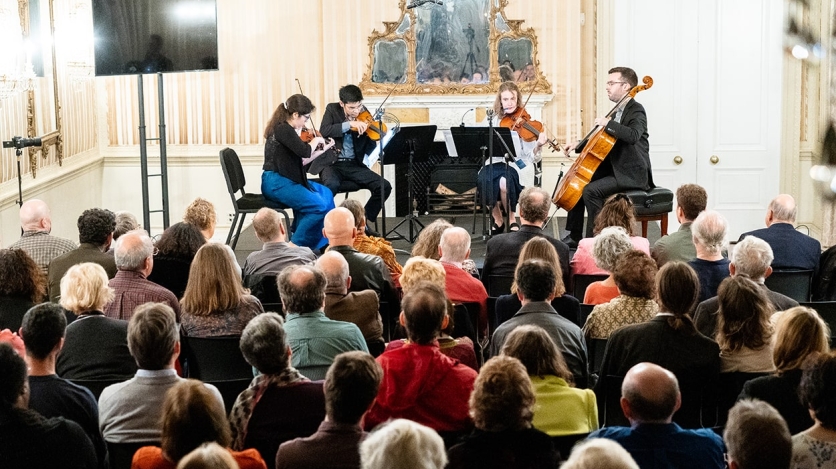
627, 165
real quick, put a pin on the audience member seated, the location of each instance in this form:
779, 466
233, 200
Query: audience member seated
125, 222
599, 453
403, 444
816, 446
671, 341
416, 271
649, 398
799, 333
351, 385
175, 251
201, 213
502, 408
367, 272
14, 340
824, 281
756, 437
374, 245
95, 346
360, 308
95, 233
611, 244
561, 409
280, 404
634, 275
565, 305
42, 247
276, 253
536, 281
709, 235
22, 286
793, 249
691, 200
215, 303
134, 255
461, 287
752, 258
131, 411
43, 329
744, 331
617, 211
314, 339
503, 251
208, 456
426, 245
28, 439
191, 416
419, 382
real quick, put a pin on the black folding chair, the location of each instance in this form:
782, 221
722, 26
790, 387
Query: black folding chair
580, 283
795, 284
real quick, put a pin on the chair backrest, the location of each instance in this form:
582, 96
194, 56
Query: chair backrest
595, 348
120, 455
581, 281
586, 310
827, 311
612, 415
96, 386
729, 387
499, 285
233, 172
214, 359
263, 287
231, 388
466, 321
793, 283
564, 444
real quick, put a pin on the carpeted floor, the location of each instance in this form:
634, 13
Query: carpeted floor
249, 243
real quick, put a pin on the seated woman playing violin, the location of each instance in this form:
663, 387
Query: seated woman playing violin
496, 179
355, 133
284, 180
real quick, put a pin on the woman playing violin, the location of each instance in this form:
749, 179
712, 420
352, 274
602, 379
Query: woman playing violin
493, 178
284, 179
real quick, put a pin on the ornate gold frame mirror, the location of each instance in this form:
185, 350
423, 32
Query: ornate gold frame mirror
461, 47
43, 107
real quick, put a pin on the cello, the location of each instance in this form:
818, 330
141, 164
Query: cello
596, 146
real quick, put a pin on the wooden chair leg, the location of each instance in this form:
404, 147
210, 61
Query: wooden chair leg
644, 228
664, 224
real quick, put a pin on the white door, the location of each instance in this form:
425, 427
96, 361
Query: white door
714, 111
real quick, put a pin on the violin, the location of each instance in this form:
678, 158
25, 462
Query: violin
528, 129
372, 131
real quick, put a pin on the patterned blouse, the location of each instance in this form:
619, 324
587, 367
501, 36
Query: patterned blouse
381, 248
621, 311
221, 323
810, 453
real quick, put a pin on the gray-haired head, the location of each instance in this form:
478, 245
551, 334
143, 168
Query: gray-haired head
132, 249
709, 230
783, 209
125, 222
610, 244
454, 244
753, 257
264, 345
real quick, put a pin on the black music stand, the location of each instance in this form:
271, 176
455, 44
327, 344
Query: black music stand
412, 145
474, 143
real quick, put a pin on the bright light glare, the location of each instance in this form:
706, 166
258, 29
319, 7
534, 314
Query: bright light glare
194, 11
800, 52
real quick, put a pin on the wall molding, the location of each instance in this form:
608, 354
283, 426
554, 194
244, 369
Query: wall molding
51, 177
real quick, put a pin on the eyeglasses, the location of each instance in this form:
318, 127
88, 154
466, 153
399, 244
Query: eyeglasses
155, 252
611, 83
307, 117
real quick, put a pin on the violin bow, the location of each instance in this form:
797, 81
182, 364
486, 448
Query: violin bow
310, 121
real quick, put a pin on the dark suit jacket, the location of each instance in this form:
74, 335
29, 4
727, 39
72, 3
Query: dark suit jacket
84, 253
96, 347
503, 252
331, 127
792, 249
781, 392
368, 272
705, 317
630, 156
694, 359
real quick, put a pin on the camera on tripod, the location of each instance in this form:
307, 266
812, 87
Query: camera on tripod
21, 143
469, 32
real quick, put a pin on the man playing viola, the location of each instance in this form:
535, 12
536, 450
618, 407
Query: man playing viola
626, 167
340, 122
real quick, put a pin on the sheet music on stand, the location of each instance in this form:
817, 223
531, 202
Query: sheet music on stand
370, 159
469, 142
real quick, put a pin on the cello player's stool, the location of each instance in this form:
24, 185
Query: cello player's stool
652, 205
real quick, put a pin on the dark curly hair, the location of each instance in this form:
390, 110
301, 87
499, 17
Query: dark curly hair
20, 276
94, 226
181, 240
818, 388
635, 275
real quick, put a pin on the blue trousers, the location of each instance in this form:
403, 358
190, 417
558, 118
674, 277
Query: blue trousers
309, 206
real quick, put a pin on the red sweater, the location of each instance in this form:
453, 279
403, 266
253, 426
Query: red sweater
465, 288
423, 385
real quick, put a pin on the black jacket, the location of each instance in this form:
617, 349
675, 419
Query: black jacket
332, 127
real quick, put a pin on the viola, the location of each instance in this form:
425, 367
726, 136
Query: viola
528, 129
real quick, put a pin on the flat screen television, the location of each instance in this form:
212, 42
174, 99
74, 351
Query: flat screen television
150, 36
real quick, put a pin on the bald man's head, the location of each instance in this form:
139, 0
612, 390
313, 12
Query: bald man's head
335, 268
781, 210
649, 394
339, 227
454, 244
35, 216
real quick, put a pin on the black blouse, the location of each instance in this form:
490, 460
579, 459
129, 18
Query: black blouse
284, 152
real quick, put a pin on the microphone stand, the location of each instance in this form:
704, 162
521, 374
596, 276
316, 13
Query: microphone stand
489, 207
508, 153
379, 118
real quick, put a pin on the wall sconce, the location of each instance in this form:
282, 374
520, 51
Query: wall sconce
16, 72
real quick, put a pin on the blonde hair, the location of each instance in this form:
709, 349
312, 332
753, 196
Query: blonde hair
85, 288
599, 452
540, 248
208, 456
200, 213
428, 240
214, 284
420, 269
799, 333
